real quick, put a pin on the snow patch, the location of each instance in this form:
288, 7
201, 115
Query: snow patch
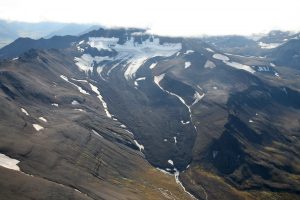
187, 65
139, 79
74, 102
209, 64
184, 123
153, 65
269, 45
80, 49
175, 140
210, 50
43, 119
24, 111
171, 162
96, 133
37, 127
104, 104
141, 147
220, 57
9, 163
189, 52
54, 104
240, 66
236, 65
78, 109
81, 42
78, 87
157, 80
79, 80
197, 97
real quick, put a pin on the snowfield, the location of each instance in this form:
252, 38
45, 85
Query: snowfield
236, 65
86, 62
135, 54
240, 66
103, 43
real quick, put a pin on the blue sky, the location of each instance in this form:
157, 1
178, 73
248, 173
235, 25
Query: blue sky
167, 17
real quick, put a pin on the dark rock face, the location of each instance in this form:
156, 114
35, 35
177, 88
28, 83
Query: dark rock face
22, 45
189, 111
235, 45
287, 54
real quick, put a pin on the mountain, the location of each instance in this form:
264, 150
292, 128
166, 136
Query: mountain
72, 29
122, 114
260, 45
277, 36
12, 30
234, 44
287, 54
22, 45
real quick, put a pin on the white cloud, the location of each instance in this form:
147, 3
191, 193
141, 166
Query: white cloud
181, 17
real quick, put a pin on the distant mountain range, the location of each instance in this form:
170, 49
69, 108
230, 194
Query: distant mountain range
122, 114
10, 31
